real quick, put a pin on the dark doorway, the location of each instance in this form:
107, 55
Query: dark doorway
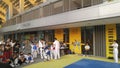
49, 35
118, 36
87, 36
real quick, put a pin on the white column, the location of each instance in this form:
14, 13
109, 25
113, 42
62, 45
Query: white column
10, 10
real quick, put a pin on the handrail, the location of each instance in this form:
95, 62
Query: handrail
47, 9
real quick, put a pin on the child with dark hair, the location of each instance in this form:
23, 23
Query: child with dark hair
16, 46
7, 53
115, 50
47, 52
30, 58
87, 49
34, 50
21, 59
1, 51
13, 61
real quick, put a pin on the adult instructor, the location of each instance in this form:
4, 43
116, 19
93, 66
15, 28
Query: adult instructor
56, 44
115, 50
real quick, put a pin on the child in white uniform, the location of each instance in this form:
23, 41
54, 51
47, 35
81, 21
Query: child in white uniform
34, 51
87, 49
115, 51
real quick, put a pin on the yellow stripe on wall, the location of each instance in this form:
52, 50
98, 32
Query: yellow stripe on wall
110, 36
75, 34
59, 34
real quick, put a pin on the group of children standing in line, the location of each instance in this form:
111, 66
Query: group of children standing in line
45, 50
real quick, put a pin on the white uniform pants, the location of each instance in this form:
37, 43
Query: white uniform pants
35, 54
57, 53
52, 54
115, 52
41, 53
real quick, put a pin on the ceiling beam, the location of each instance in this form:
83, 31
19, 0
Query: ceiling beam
17, 9
3, 21
6, 1
21, 5
43, 1
10, 7
32, 2
9, 3
2, 17
2, 14
3, 10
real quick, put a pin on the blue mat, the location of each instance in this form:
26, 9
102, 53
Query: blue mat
87, 63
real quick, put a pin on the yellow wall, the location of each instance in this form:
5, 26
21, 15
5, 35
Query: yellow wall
59, 34
110, 36
74, 34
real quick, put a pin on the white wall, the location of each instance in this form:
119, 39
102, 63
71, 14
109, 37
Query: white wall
90, 13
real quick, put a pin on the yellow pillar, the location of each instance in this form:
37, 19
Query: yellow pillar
110, 36
21, 4
75, 34
59, 34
